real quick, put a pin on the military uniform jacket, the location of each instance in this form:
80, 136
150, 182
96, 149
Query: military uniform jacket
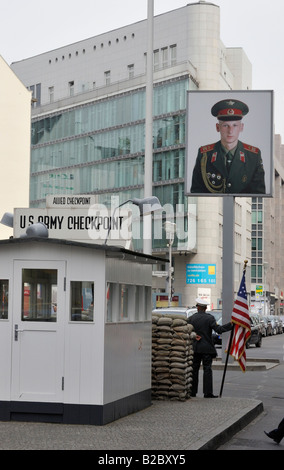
203, 324
246, 174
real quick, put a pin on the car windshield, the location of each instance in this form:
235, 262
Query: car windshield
175, 311
217, 314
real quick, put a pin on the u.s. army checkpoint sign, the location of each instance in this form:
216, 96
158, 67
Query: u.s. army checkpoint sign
75, 218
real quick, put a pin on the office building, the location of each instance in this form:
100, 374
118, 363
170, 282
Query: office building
88, 130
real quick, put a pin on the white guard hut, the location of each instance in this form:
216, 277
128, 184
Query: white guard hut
75, 331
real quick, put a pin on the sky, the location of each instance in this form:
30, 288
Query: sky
31, 27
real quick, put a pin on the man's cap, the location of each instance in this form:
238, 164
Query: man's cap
201, 302
229, 110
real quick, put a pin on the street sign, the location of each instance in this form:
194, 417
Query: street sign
259, 289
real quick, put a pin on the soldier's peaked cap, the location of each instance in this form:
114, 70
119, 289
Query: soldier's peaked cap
229, 110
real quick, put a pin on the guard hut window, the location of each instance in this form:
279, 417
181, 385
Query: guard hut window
39, 295
4, 291
82, 301
128, 303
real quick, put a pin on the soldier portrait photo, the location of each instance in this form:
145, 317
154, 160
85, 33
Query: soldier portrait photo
229, 165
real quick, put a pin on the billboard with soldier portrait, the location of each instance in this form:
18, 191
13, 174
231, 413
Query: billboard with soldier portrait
229, 143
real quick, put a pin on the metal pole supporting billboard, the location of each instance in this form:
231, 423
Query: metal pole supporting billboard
228, 266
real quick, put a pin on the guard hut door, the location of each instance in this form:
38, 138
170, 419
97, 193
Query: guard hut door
38, 337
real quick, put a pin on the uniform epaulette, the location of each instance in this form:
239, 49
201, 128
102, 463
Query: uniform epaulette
251, 148
207, 148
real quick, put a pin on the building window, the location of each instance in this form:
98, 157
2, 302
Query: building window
82, 301
128, 302
71, 88
173, 54
36, 94
51, 94
156, 60
238, 240
39, 295
165, 57
4, 292
130, 71
107, 77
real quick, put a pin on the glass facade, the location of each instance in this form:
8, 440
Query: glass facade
99, 147
257, 241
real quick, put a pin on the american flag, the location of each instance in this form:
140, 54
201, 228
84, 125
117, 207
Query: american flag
242, 326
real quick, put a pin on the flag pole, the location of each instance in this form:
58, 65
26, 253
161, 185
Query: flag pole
226, 362
229, 346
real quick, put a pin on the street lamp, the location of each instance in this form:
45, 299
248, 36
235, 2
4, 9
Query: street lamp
265, 266
170, 229
146, 206
7, 219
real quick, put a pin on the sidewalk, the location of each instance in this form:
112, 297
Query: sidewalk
196, 424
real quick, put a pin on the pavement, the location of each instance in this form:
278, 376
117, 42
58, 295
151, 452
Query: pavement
195, 424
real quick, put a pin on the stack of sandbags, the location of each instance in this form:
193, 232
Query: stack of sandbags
172, 355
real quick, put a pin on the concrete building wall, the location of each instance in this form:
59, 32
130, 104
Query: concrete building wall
15, 125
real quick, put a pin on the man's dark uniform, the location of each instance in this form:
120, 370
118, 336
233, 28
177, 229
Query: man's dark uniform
245, 173
204, 349
278, 433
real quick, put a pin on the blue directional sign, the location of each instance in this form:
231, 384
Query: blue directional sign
201, 273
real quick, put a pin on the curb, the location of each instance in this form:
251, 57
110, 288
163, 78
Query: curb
226, 431
251, 365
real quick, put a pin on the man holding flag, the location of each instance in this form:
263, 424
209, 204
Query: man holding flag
204, 349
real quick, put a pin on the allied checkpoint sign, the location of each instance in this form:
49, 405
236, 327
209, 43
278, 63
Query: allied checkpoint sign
69, 218
242, 120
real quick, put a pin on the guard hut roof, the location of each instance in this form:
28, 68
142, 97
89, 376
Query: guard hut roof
110, 251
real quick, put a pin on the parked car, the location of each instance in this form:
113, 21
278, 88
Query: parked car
217, 339
260, 320
185, 311
267, 325
279, 325
274, 324
217, 314
282, 322
256, 332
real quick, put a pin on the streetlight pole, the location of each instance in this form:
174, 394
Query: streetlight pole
148, 171
170, 229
